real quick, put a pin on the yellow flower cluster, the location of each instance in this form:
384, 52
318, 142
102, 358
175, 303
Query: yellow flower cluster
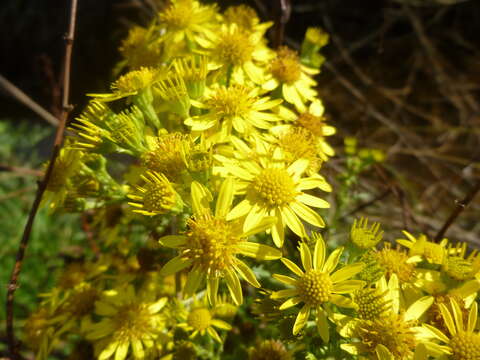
196, 167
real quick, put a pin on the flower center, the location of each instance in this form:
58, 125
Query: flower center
159, 198
312, 123
242, 15
299, 143
133, 321
134, 80
274, 187
458, 268
371, 304
199, 319
392, 332
211, 243
231, 102
315, 287
234, 48
178, 16
167, 156
465, 346
286, 67
395, 262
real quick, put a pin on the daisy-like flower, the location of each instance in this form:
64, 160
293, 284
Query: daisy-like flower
238, 107
363, 236
210, 247
186, 20
318, 285
128, 320
271, 189
200, 320
461, 342
245, 18
156, 196
239, 53
313, 120
384, 330
286, 71
432, 252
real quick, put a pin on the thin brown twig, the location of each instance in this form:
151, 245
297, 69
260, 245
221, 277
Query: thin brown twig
285, 10
42, 186
459, 207
20, 170
27, 101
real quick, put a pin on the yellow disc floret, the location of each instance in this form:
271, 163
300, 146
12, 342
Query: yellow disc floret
234, 47
270, 350
311, 122
159, 198
232, 101
315, 287
211, 243
135, 80
465, 346
199, 319
396, 262
371, 303
286, 66
392, 331
275, 187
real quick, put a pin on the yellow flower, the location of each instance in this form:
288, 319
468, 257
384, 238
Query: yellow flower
319, 285
433, 253
238, 52
193, 71
156, 196
141, 48
245, 18
398, 262
273, 190
391, 334
295, 80
364, 237
238, 107
461, 341
313, 120
212, 243
186, 20
128, 320
200, 320
270, 350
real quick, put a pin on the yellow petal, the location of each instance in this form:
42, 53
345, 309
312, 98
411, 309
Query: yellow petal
290, 303
172, 241
258, 251
174, 265
346, 272
221, 324
194, 280
472, 317
342, 301
256, 214
278, 230
233, 284
246, 273
285, 279
305, 256
447, 317
137, 348
292, 221
225, 198
383, 353
319, 254
281, 294
301, 319
322, 325
157, 305
212, 289
313, 182
332, 260
266, 223
122, 351
213, 333
312, 201
201, 198
307, 214
241, 209
292, 266
347, 286
108, 351
418, 308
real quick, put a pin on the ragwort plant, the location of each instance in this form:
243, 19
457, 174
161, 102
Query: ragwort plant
222, 141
